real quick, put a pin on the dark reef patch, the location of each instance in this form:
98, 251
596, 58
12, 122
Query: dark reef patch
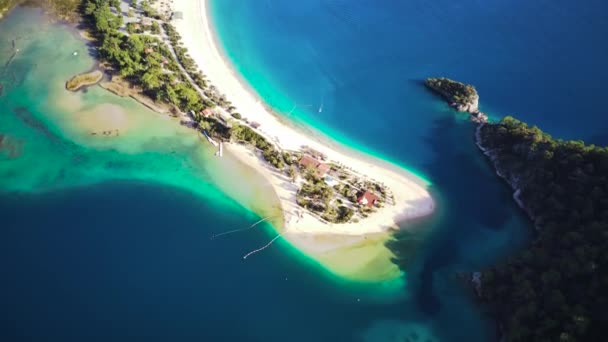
12, 147
30, 120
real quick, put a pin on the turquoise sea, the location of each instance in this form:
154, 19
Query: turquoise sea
108, 240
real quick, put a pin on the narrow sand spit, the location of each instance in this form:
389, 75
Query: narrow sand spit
411, 196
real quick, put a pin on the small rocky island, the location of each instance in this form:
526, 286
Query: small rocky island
84, 80
553, 289
460, 96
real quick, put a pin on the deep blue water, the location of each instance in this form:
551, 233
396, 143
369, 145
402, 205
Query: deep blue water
132, 261
125, 261
363, 61
543, 61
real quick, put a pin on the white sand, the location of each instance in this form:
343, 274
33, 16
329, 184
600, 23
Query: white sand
411, 196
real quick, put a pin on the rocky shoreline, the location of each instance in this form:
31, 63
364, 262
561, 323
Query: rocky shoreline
464, 98
561, 186
514, 182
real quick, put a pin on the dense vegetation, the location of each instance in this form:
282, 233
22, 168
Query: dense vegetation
6, 5
144, 60
453, 91
326, 201
182, 56
190, 66
555, 289
315, 195
136, 53
269, 152
148, 10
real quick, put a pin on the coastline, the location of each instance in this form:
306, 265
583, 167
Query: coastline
412, 198
493, 160
84, 80
537, 167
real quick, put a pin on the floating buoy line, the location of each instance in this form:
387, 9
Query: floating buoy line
263, 247
248, 228
242, 229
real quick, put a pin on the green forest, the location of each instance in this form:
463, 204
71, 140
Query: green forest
555, 288
451, 90
142, 59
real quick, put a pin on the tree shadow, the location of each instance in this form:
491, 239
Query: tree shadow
599, 139
471, 198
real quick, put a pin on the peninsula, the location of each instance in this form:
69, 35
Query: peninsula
158, 49
553, 290
336, 191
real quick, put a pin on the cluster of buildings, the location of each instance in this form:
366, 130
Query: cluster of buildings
321, 170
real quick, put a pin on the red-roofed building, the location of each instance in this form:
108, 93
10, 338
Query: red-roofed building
367, 198
207, 112
310, 162
322, 169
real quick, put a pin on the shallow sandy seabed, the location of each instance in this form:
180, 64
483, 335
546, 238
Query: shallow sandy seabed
353, 257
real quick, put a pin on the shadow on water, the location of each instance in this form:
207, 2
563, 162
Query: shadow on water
600, 139
475, 200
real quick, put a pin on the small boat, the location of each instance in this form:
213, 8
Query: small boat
213, 142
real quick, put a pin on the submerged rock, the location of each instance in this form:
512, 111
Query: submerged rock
10, 146
479, 117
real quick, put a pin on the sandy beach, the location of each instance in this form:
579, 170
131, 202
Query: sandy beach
412, 199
